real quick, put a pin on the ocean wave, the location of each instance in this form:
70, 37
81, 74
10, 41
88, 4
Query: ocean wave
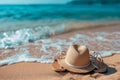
11, 39
79, 12
21, 34
105, 43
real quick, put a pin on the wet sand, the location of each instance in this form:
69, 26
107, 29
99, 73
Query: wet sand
39, 71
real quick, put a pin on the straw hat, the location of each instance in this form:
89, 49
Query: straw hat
77, 60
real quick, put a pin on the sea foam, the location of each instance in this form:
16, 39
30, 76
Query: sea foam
105, 43
24, 56
11, 39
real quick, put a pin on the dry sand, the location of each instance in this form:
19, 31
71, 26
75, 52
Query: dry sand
39, 71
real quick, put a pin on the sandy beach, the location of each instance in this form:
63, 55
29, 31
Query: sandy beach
33, 33
39, 71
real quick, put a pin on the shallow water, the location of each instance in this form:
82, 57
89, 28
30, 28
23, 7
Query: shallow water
105, 43
21, 24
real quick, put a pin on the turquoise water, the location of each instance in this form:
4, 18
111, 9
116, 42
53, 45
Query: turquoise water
22, 16
21, 24
76, 12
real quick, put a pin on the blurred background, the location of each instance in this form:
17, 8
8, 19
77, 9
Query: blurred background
38, 30
30, 20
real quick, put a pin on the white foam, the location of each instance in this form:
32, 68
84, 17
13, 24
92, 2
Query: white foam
12, 39
108, 53
107, 48
58, 45
100, 38
24, 56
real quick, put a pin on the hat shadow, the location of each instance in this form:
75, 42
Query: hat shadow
62, 72
110, 70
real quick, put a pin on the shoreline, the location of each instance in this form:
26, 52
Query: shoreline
12, 39
35, 71
89, 25
55, 43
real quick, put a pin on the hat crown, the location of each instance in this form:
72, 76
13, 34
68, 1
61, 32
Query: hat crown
78, 55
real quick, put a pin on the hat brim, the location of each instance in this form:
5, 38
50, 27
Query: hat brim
57, 67
86, 69
60, 65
